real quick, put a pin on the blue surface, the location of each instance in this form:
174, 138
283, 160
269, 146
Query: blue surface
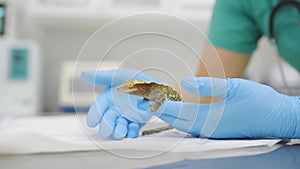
72, 109
285, 157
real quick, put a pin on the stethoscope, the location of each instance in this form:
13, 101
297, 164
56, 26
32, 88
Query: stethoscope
276, 9
272, 34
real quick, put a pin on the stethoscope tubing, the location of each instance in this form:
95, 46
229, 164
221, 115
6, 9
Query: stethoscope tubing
276, 9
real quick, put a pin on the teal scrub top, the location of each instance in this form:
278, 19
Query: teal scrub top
237, 25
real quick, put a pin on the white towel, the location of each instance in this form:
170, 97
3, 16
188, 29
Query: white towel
69, 133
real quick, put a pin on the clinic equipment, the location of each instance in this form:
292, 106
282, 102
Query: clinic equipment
2, 18
19, 67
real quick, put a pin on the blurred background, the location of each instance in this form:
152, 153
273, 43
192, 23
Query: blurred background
41, 40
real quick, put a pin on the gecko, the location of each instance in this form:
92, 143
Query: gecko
149, 90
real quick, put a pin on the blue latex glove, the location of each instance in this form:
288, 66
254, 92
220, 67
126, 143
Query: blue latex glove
115, 112
246, 110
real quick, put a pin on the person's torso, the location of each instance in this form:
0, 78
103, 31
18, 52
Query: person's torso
286, 27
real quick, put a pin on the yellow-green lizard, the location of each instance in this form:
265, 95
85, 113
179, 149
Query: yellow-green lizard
151, 91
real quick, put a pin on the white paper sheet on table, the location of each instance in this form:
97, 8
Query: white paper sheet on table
67, 133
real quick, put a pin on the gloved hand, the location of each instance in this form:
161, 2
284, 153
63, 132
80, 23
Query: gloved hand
115, 112
246, 110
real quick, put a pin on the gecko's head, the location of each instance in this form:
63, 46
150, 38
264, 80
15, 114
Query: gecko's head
130, 85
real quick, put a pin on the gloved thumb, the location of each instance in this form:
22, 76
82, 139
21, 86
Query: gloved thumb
206, 86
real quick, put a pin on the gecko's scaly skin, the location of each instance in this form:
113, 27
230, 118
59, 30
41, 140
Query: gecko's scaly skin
151, 91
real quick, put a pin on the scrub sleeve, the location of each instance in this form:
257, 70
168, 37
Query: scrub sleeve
237, 25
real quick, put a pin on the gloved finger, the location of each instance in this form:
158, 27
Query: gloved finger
108, 122
179, 110
170, 111
189, 115
120, 128
111, 77
170, 119
133, 130
126, 105
206, 86
96, 111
